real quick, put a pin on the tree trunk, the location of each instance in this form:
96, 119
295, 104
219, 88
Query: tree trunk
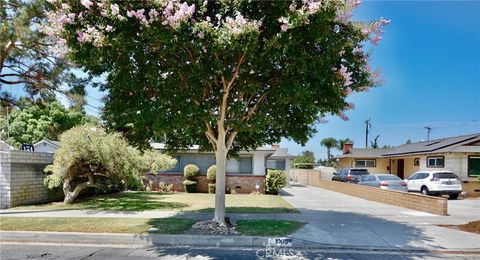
70, 196
221, 161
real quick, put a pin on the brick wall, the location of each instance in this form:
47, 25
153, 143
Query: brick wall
430, 204
21, 178
237, 183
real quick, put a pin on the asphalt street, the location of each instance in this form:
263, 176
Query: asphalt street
66, 251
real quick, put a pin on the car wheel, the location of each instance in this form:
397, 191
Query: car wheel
453, 196
424, 190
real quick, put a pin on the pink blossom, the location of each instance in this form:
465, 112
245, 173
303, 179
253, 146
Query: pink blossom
347, 76
81, 36
343, 116
350, 105
284, 27
115, 9
130, 13
153, 14
347, 91
201, 35
109, 28
384, 21
376, 39
356, 3
87, 3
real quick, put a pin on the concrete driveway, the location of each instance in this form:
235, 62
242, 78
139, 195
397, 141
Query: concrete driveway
339, 219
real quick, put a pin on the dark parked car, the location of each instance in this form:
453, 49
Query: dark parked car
384, 181
351, 175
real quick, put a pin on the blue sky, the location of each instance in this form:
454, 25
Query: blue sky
430, 62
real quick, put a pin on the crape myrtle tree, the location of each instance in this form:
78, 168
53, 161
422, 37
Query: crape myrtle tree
227, 75
30, 59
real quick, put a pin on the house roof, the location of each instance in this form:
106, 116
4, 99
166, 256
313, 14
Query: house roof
457, 144
364, 153
281, 153
52, 142
443, 145
161, 146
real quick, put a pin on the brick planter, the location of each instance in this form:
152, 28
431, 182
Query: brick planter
237, 183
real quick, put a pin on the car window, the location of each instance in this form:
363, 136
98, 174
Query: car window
359, 172
388, 178
422, 176
445, 175
413, 177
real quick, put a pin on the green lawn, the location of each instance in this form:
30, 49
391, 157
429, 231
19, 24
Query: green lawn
267, 227
140, 225
96, 225
142, 201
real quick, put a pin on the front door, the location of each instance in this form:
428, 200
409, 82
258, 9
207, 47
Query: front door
400, 168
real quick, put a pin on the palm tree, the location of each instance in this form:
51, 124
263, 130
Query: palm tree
341, 142
329, 142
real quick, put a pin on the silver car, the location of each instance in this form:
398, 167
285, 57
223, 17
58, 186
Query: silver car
384, 181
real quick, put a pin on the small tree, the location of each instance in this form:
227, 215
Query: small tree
88, 153
211, 175
306, 157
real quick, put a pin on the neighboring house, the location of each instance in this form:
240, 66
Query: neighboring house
243, 173
460, 154
46, 146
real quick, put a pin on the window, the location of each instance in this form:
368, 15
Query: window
435, 162
276, 164
422, 176
389, 178
414, 177
474, 166
369, 178
416, 162
241, 165
365, 163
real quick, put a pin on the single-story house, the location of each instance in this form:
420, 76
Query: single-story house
460, 154
46, 146
243, 173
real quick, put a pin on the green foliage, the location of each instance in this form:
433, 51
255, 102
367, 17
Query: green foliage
329, 142
163, 187
189, 182
191, 171
305, 157
211, 188
190, 186
33, 123
29, 59
342, 142
275, 180
212, 173
282, 81
88, 154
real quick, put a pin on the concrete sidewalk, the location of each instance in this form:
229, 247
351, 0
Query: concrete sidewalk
334, 220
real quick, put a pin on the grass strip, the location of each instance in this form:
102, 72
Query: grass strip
266, 227
96, 225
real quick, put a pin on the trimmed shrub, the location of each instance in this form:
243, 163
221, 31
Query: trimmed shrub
211, 188
190, 186
191, 171
163, 187
275, 180
212, 174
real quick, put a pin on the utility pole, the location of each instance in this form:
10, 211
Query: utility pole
429, 129
367, 128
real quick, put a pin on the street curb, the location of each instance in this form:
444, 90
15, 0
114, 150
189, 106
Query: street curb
194, 240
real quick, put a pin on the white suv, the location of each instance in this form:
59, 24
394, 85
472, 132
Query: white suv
435, 183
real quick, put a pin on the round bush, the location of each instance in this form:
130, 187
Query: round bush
212, 173
191, 171
275, 180
190, 186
